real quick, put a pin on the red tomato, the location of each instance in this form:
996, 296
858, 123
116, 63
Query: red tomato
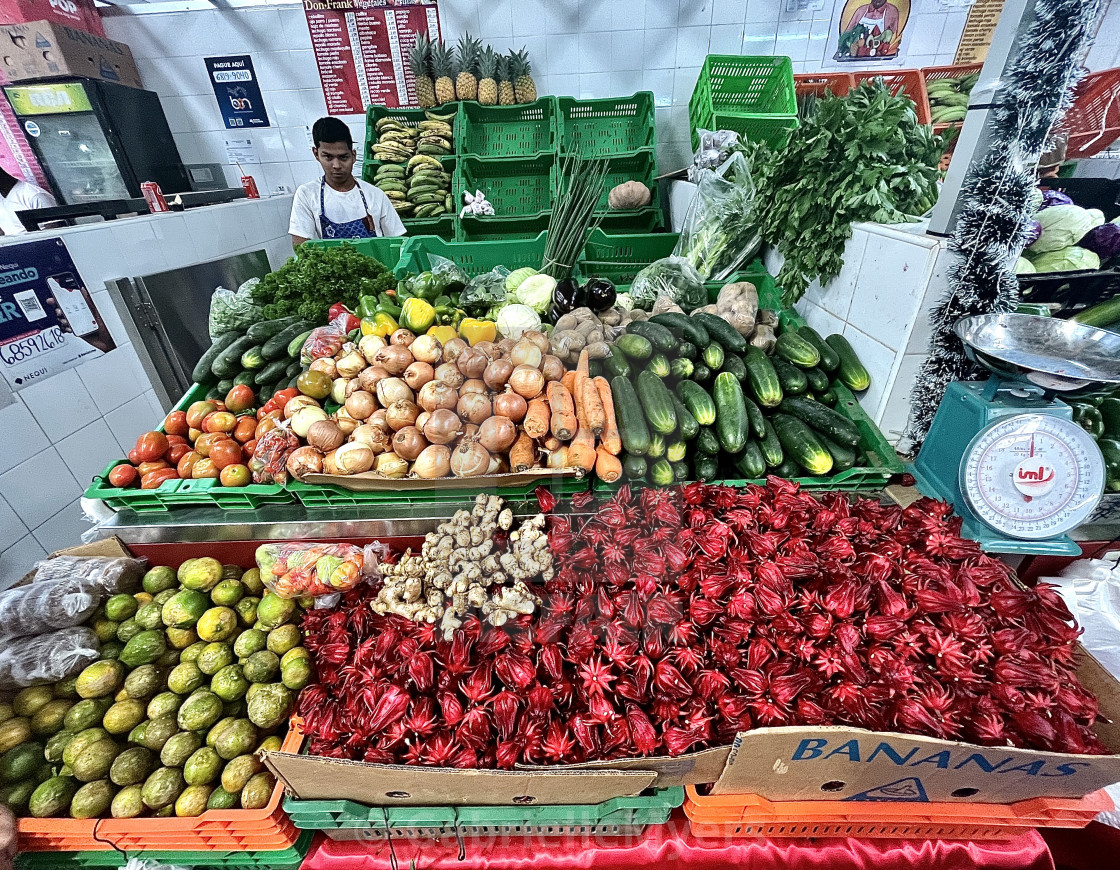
265, 425
236, 475
186, 464
245, 429
282, 397
155, 465
223, 453
176, 439
153, 479
192, 436
151, 445
177, 452
176, 423
134, 456
205, 442
240, 398
249, 447
124, 475
219, 421
204, 469
197, 412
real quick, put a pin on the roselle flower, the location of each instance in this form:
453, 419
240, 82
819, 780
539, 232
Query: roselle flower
422, 719
581, 643
504, 706
391, 704
514, 669
546, 499
586, 733
475, 729
451, 708
688, 659
670, 681
703, 611
558, 745
422, 671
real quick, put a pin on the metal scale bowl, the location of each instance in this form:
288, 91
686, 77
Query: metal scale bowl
1006, 452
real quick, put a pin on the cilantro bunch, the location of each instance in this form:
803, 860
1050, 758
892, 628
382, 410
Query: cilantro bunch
317, 277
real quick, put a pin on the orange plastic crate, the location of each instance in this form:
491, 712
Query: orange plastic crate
1093, 121
266, 829
838, 84
952, 71
898, 80
747, 815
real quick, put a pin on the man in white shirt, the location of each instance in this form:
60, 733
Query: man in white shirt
19, 196
338, 205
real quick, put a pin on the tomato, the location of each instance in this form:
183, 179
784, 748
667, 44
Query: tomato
265, 425
176, 439
206, 442
240, 398
219, 421
192, 436
176, 423
124, 475
155, 465
177, 452
245, 429
153, 479
236, 475
204, 469
223, 453
186, 464
281, 398
197, 412
151, 445
249, 447
134, 456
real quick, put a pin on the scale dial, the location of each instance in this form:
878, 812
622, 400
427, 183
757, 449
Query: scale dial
1032, 476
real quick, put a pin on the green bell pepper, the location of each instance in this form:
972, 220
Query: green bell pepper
1110, 449
1088, 418
1110, 410
393, 311
425, 286
367, 306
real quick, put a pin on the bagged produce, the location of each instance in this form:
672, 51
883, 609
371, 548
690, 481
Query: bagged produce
110, 574
234, 312
326, 340
720, 230
673, 278
270, 460
48, 657
41, 607
293, 570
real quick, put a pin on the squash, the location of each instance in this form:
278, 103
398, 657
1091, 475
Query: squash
629, 194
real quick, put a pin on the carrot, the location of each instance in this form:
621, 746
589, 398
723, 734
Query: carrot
590, 404
551, 443
609, 437
523, 453
537, 418
569, 382
564, 422
583, 366
581, 452
607, 467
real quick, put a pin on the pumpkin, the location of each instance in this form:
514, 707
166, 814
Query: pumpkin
629, 194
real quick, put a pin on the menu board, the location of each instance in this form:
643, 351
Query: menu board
978, 31
361, 48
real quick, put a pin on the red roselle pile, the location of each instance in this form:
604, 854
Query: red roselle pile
680, 616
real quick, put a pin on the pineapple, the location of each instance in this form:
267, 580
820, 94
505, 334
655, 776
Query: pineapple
419, 58
521, 73
487, 87
466, 83
441, 70
506, 96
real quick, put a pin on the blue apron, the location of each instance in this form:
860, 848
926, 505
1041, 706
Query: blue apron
362, 228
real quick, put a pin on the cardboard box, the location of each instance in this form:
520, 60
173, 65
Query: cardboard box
45, 50
79, 14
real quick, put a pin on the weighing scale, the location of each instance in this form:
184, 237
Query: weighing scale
1005, 452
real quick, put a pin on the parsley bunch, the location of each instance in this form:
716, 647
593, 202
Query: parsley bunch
316, 278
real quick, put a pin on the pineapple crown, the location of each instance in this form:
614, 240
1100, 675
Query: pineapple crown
419, 55
441, 60
467, 53
488, 63
503, 68
519, 63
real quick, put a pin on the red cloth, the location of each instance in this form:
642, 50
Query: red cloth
672, 846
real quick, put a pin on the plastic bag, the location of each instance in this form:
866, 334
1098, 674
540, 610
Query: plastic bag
231, 311
294, 570
475, 204
38, 608
486, 293
326, 340
47, 658
673, 278
720, 231
270, 460
111, 575
449, 275
715, 148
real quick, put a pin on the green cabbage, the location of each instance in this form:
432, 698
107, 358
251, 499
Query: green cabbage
534, 291
1064, 226
1024, 266
1067, 259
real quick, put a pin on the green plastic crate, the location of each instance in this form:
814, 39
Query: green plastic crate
620, 257
280, 859
516, 188
641, 166
626, 222
385, 249
525, 130
753, 96
474, 258
325, 496
622, 815
495, 229
407, 117
769, 294
608, 127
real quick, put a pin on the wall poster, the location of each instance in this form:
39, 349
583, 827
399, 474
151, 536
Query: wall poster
978, 31
871, 30
361, 49
237, 90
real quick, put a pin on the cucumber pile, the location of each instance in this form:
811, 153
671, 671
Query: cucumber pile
265, 357
694, 401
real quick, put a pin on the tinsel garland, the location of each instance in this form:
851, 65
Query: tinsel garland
1036, 89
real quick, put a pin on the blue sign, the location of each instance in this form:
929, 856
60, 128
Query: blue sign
238, 91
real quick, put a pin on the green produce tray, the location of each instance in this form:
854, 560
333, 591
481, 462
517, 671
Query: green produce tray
753, 96
228, 498
385, 249
525, 130
620, 257
442, 226
606, 128
516, 188
621, 815
640, 166
407, 117
494, 229
642, 220
327, 496
280, 859
474, 258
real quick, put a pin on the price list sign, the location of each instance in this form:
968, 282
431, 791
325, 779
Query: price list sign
361, 49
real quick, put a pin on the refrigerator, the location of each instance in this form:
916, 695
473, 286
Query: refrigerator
97, 140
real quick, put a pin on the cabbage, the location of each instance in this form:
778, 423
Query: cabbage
1069, 259
535, 291
1051, 198
624, 301
674, 277
1034, 230
1103, 240
1062, 227
513, 281
515, 319
1023, 266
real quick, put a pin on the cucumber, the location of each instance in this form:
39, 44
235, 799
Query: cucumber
706, 467
252, 359
686, 423
616, 365
828, 422
293, 370
223, 387
828, 397
735, 365
722, 331
214, 393
292, 384
1102, 314
762, 378
659, 336
706, 441
699, 403
632, 427
247, 379
681, 368
791, 378
851, 372
701, 373
750, 463
771, 447
657, 446
676, 451
691, 329
731, 413
634, 467
818, 380
277, 345
713, 357
228, 362
687, 350
594, 368
801, 445
656, 402
659, 365
788, 469
202, 373
661, 473
295, 346
272, 372
843, 457
680, 471
830, 362
755, 417
265, 329
634, 346
792, 347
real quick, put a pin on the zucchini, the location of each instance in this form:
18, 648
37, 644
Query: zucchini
722, 331
277, 345
657, 446
656, 402
634, 467
252, 359
681, 368
801, 445
792, 347
687, 350
634, 346
659, 365
822, 418
223, 387
706, 441
686, 423
818, 380
790, 377
616, 365
680, 471
202, 373
843, 457
632, 427
661, 473
676, 451
851, 372
1102, 314
731, 413
735, 365
713, 357
755, 417
246, 379
788, 469
706, 467
701, 373
830, 362
265, 329
762, 378
750, 463
659, 336
228, 362
688, 327
771, 447
272, 372
295, 346
699, 403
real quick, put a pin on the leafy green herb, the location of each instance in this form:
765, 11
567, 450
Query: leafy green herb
316, 278
573, 214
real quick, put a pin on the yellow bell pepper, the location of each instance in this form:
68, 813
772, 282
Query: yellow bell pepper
443, 334
474, 330
417, 316
380, 324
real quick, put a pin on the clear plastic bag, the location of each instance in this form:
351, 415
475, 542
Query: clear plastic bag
673, 278
234, 311
485, 292
294, 570
41, 607
326, 340
47, 658
110, 574
448, 273
715, 148
270, 459
720, 231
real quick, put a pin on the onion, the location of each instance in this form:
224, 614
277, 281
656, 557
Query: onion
353, 458
434, 461
361, 404
345, 422
402, 337
474, 385
401, 414
394, 358
437, 394
369, 377
304, 417
470, 430
474, 408
489, 349
377, 418
326, 366
552, 368
351, 365
506, 345
526, 382
426, 348
392, 390
304, 461
409, 443
497, 373
418, 374
295, 403
472, 362
370, 345
496, 434
448, 373
353, 386
442, 427
325, 435
470, 459
390, 465
511, 405
338, 390
500, 464
374, 437
453, 348
329, 465
538, 338
525, 353
422, 419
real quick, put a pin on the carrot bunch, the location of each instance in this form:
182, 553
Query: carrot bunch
580, 409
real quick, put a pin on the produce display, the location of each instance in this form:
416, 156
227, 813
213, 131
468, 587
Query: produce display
1064, 237
398, 143
948, 97
420, 189
319, 277
469, 71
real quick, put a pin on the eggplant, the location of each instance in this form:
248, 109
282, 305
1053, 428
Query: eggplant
568, 296
601, 294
